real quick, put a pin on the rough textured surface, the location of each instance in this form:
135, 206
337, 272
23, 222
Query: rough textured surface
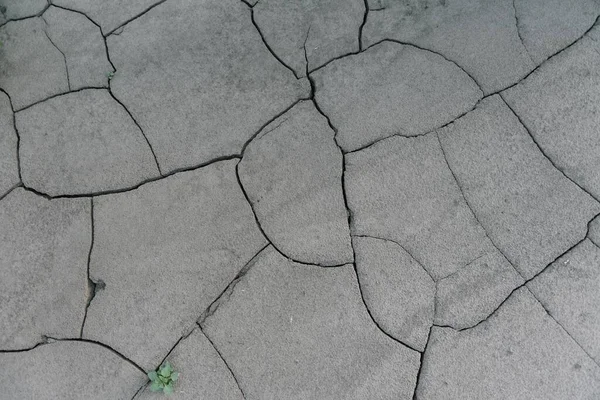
397, 290
82, 142
519, 353
68, 370
401, 189
15, 9
239, 155
548, 26
513, 188
204, 101
26, 55
83, 46
560, 105
292, 173
109, 14
479, 35
328, 27
317, 341
9, 167
165, 251
469, 295
201, 372
568, 289
44, 246
391, 89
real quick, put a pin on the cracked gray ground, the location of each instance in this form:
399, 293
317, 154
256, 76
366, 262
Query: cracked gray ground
370, 199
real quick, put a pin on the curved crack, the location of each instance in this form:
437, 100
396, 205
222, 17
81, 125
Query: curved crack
543, 152
14, 121
139, 127
525, 282
519, 31
224, 362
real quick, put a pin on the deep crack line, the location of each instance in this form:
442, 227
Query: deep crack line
542, 150
362, 25
262, 231
39, 14
224, 362
421, 362
91, 285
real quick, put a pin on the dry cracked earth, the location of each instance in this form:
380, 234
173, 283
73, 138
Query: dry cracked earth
286, 199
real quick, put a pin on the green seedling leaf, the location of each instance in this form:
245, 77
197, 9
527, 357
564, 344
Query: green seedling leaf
152, 375
168, 389
156, 387
175, 376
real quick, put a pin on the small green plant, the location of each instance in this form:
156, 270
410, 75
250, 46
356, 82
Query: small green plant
163, 379
110, 75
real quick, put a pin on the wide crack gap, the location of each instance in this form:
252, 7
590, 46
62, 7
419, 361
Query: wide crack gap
542, 150
421, 362
91, 285
224, 362
362, 25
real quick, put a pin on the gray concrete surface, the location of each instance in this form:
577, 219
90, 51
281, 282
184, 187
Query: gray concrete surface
300, 200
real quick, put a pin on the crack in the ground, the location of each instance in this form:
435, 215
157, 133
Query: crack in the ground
99, 29
61, 94
421, 362
267, 238
139, 127
519, 30
39, 14
224, 362
14, 121
462, 192
264, 40
525, 282
48, 340
122, 25
362, 25
542, 150
563, 328
91, 285
225, 295
61, 52
13, 187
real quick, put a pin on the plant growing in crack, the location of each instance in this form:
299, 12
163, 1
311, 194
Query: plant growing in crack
110, 75
163, 379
